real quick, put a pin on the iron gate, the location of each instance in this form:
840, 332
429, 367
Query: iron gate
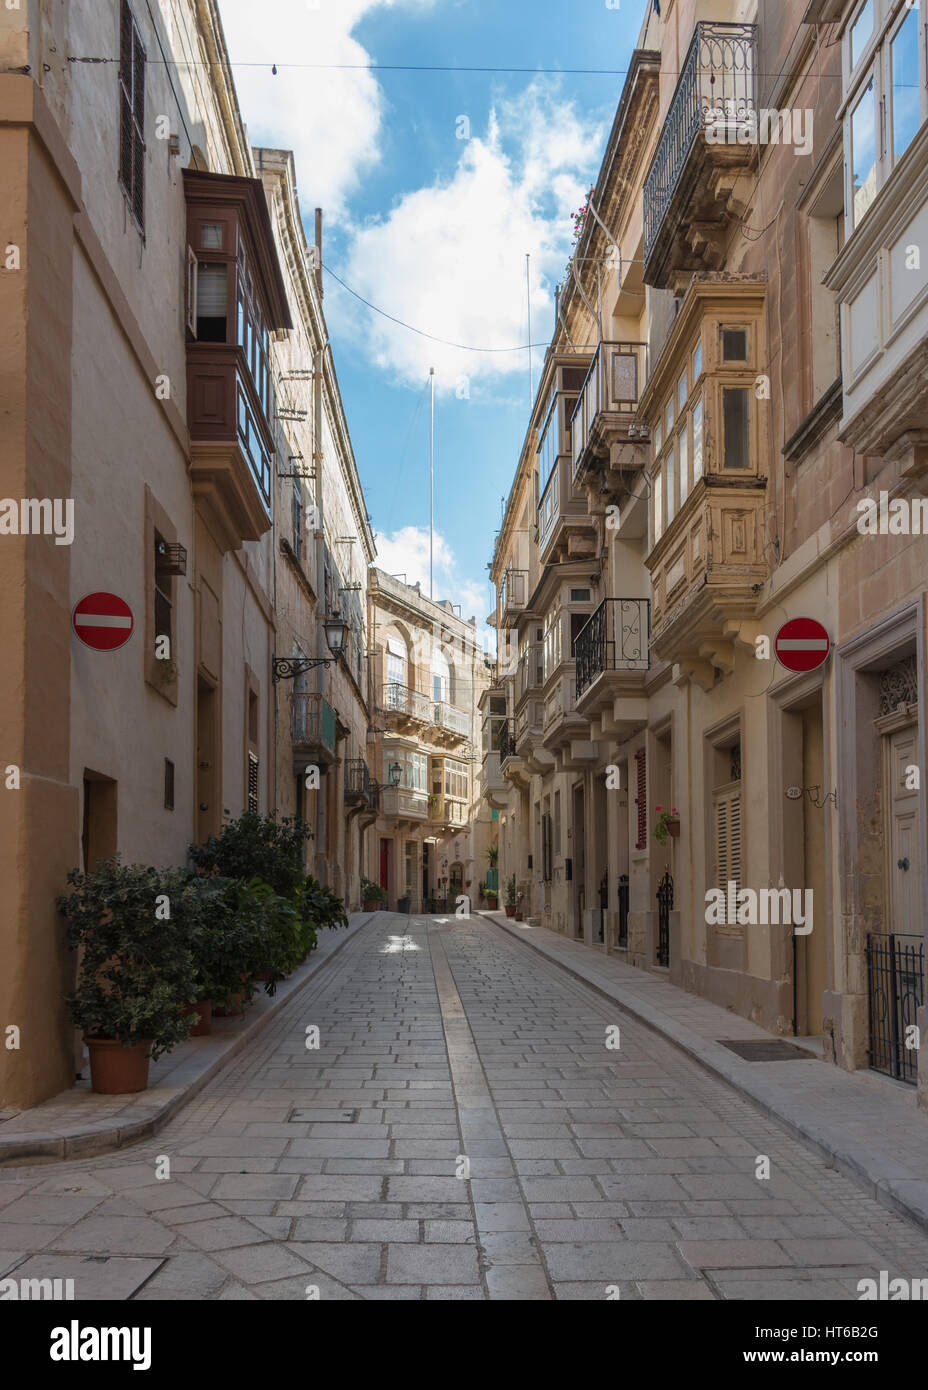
664, 906
623, 912
895, 989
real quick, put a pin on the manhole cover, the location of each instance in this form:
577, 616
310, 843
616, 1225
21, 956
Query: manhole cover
319, 1114
765, 1049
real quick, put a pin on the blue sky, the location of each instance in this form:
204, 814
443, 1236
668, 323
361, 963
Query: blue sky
434, 185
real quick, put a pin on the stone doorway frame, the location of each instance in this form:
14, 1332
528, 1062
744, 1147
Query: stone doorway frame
860, 789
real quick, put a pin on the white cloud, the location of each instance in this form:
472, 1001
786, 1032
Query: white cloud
405, 555
331, 118
450, 257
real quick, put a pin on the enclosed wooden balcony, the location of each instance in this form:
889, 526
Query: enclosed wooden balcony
603, 430
513, 596
692, 184
235, 298
705, 573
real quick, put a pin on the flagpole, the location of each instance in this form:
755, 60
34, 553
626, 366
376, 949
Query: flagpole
528, 297
431, 479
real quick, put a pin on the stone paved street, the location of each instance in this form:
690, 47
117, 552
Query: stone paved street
591, 1169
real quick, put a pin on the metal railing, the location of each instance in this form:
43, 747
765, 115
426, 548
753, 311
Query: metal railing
507, 741
447, 716
401, 700
312, 720
896, 991
614, 639
613, 386
718, 75
622, 938
358, 780
664, 909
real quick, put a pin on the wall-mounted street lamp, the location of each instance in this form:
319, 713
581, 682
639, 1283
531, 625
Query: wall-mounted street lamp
335, 629
396, 773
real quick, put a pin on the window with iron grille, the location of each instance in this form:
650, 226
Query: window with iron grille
641, 800
163, 594
132, 114
252, 783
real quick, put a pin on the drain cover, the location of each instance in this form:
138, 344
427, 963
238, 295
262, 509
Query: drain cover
316, 1114
765, 1049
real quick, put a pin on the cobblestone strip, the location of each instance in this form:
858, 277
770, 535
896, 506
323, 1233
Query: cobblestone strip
514, 1268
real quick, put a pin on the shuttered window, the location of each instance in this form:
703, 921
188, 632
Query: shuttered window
547, 856
132, 113
641, 799
727, 814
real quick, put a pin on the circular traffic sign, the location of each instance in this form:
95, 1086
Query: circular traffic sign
102, 621
802, 644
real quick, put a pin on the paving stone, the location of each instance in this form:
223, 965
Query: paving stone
446, 1263
730, 1254
518, 1282
501, 1216
352, 1262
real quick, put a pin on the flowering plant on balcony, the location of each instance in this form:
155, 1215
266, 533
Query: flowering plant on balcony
668, 823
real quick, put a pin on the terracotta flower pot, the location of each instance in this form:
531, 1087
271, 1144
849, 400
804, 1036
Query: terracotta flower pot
371, 906
231, 1007
492, 903
520, 916
510, 911
673, 828
204, 1009
117, 1070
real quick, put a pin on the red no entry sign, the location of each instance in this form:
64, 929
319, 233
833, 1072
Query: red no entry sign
102, 621
802, 644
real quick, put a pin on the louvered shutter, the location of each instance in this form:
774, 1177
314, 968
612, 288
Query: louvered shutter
125, 95
138, 114
728, 838
641, 800
252, 783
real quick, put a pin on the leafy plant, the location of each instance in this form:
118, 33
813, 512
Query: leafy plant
661, 828
319, 905
511, 894
136, 969
493, 856
372, 892
256, 846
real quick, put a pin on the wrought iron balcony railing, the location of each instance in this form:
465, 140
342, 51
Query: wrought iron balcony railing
312, 721
448, 717
718, 76
399, 699
614, 639
613, 386
507, 741
358, 781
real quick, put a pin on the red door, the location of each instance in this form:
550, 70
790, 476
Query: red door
385, 864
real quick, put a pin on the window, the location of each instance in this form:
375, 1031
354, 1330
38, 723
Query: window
212, 302
578, 622
164, 599
681, 392
670, 482
396, 667
736, 426
861, 31
296, 518
863, 153
734, 345
682, 442
441, 678
727, 816
556, 845
132, 114
549, 445
579, 595
697, 442
211, 236
668, 418
905, 111
658, 507
697, 363
168, 785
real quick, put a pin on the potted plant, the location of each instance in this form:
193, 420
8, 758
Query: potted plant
136, 972
511, 896
372, 895
520, 915
668, 824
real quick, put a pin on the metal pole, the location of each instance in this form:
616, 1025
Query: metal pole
431, 479
528, 297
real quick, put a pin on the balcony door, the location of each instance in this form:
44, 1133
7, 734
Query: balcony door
904, 915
